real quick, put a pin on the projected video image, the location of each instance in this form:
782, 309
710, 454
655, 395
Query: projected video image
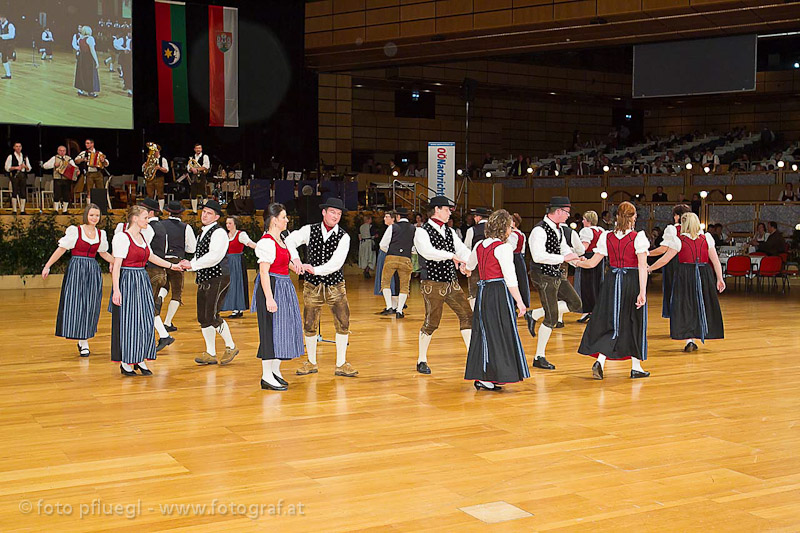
66, 63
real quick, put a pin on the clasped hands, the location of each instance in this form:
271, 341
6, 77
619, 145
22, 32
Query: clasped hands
298, 267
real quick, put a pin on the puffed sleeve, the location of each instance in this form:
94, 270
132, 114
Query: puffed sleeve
472, 261
103, 242
513, 240
505, 256
641, 244
671, 239
119, 245
265, 251
602, 244
586, 235
710, 241
244, 238
69, 239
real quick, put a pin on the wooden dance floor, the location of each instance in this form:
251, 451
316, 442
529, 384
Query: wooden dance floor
709, 442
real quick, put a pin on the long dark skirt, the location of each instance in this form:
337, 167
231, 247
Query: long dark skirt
81, 299
238, 297
495, 351
695, 305
617, 329
667, 276
86, 77
280, 333
522, 278
395, 284
132, 334
587, 283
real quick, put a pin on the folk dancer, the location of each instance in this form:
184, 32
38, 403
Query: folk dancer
670, 240
238, 298
47, 45
517, 241
587, 281
574, 241
388, 219
87, 80
8, 34
17, 166
366, 246
397, 243
157, 241
181, 241
474, 235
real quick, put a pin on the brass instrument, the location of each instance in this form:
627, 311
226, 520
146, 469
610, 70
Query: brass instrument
152, 164
195, 164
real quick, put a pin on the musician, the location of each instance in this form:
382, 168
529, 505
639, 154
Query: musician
198, 167
47, 44
8, 33
95, 163
64, 170
17, 167
155, 187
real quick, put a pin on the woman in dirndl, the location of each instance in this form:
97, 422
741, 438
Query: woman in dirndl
87, 80
696, 313
670, 241
388, 220
495, 353
587, 282
280, 325
618, 328
132, 338
237, 300
82, 286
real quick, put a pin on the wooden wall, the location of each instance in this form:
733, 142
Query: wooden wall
335, 120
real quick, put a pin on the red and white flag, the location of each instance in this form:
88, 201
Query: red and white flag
223, 66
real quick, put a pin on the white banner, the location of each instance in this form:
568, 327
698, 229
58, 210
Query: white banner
442, 169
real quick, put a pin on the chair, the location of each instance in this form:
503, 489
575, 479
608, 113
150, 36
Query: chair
770, 268
5, 189
739, 267
46, 190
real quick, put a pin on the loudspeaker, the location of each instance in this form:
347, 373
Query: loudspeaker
99, 197
468, 89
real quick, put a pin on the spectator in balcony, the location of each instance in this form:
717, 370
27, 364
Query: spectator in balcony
393, 167
788, 194
624, 135
696, 204
368, 167
488, 159
742, 163
576, 140
411, 171
659, 167
660, 195
519, 167
775, 244
378, 168
710, 159
760, 236
607, 221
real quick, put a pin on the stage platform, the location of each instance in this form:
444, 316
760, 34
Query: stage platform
709, 441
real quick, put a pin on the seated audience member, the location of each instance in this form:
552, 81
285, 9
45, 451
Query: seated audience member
788, 194
760, 235
716, 232
519, 167
659, 195
775, 244
710, 159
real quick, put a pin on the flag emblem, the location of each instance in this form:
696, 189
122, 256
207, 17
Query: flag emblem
171, 53
224, 41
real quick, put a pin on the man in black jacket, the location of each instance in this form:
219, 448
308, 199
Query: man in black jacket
775, 244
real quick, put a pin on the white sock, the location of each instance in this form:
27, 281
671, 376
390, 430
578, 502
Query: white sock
538, 313
225, 332
341, 349
84, 344
14, 203
311, 349
636, 364
387, 297
401, 302
561, 317
143, 365
266, 372
127, 367
472, 303
210, 335
602, 360
162, 292
584, 315
487, 384
276, 368
22, 204
466, 334
8, 69
395, 303
689, 341
543, 336
424, 342
562, 308
161, 204
56, 206
171, 310
162, 331
194, 205
65, 205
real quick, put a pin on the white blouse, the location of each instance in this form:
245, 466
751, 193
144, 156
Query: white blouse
120, 245
266, 251
70, 239
504, 255
244, 238
587, 234
641, 244
670, 239
709, 241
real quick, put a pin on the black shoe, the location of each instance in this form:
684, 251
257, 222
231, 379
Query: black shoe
163, 343
236, 314
281, 380
144, 371
5, 78
388, 311
405, 306
585, 319
636, 374
423, 368
531, 324
541, 362
691, 347
597, 370
481, 386
267, 386
559, 325
400, 315
125, 372
170, 328
83, 352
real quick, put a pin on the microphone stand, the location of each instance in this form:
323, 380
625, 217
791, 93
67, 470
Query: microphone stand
41, 178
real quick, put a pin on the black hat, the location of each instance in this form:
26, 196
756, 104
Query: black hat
401, 211
335, 203
151, 205
482, 211
440, 201
559, 201
213, 205
174, 208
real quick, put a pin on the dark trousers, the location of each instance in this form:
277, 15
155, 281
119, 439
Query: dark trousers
158, 280
551, 291
62, 190
19, 185
210, 297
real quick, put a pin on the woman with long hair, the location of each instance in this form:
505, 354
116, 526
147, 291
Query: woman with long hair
517, 241
618, 328
696, 313
587, 281
132, 339
87, 80
670, 241
495, 353
237, 298
82, 286
280, 325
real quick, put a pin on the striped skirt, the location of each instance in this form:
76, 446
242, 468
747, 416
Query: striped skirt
132, 338
81, 299
280, 333
237, 297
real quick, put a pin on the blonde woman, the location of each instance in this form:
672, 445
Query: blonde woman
587, 281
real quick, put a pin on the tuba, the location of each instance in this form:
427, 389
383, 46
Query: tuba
152, 163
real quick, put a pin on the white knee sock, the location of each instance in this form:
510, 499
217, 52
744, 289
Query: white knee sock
471, 303
341, 349
636, 364
14, 203
538, 313
194, 205
162, 292
543, 336
225, 332
276, 368
387, 297
171, 310
401, 301
84, 344
8, 69
424, 342
22, 204
65, 205
143, 365
562, 308
266, 372
584, 315
160, 329
602, 360
466, 334
127, 367
395, 303
56, 206
487, 384
161, 204
688, 341
210, 335
561, 317
311, 349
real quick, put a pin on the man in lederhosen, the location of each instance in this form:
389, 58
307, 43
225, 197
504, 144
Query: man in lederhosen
157, 239
213, 279
397, 242
17, 165
180, 242
94, 174
62, 185
327, 245
474, 235
443, 252
8, 34
575, 244
550, 250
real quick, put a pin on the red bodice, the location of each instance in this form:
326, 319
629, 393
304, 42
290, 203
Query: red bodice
621, 252
83, 248
488, 265
693, 251
234, 246
596, 232
520, 249
137, 256
281, 264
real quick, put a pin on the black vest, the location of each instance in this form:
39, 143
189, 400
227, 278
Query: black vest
221, 268
5, 29
478, 233
402, 239
320, 252
444, 271
176, 237
159, 243
552, 246
14, 163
